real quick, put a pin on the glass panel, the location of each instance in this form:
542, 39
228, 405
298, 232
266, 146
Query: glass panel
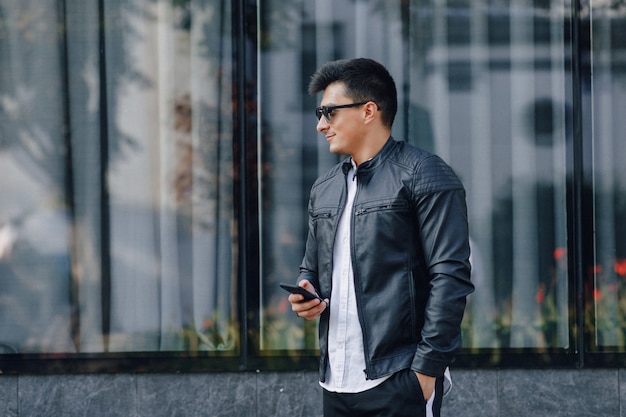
117, 222
607, 303
173, 268
35, 243
481, 84
493, 80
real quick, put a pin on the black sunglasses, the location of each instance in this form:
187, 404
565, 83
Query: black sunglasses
327, 110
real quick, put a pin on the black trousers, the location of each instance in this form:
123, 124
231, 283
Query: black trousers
399, 396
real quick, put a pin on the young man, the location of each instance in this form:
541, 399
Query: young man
387, 249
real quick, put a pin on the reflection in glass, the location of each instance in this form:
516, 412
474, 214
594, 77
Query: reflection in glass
35, 313
485, 88
172, 277
117, 222
606, 306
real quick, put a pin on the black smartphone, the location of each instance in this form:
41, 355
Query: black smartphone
294, 289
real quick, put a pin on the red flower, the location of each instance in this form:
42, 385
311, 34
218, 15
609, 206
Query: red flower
284, 305
541, 293
559, 253
596, 269
620, 267
597, 294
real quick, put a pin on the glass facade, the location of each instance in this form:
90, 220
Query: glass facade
606, 99
156, 158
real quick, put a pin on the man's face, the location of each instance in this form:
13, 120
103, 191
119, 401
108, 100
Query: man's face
343, 131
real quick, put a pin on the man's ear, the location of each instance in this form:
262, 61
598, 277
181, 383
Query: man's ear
371, 111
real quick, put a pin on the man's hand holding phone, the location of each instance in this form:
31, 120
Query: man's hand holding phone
304, 305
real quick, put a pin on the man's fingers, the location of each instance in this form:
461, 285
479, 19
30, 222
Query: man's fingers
310, 309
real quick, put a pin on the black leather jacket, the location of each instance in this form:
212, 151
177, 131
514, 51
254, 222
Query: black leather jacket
410, 257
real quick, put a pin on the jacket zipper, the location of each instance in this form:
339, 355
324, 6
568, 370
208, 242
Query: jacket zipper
389, 206
357, 288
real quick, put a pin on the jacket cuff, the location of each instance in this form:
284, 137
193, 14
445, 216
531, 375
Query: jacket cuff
429, 366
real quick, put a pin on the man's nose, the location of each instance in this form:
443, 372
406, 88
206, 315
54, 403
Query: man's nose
322, 124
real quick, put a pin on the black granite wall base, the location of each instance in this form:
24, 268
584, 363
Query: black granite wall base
484, 393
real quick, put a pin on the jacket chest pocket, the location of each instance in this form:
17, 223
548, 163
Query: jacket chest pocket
389, 205
323, 213
322, 225
323, 220
389, 224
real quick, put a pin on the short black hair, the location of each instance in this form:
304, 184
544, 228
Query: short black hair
365, 80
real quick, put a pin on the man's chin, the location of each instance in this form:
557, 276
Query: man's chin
335, 150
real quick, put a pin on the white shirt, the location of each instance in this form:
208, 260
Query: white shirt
346, 357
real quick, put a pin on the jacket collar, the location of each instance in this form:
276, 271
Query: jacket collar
367, 168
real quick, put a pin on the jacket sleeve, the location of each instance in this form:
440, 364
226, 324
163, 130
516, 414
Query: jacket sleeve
443, 229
